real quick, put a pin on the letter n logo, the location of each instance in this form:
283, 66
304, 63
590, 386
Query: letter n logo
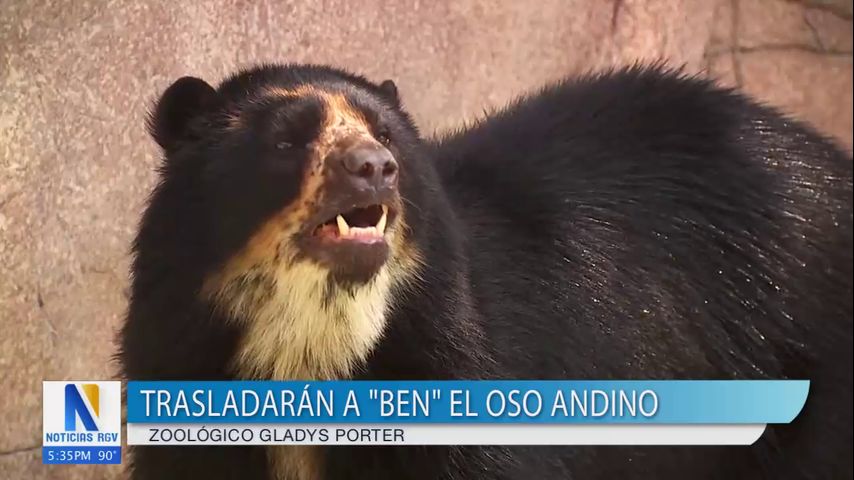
75, 406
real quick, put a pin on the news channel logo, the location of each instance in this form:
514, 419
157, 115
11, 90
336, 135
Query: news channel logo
82, 422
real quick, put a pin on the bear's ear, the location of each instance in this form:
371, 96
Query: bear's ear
183, 102
389, 90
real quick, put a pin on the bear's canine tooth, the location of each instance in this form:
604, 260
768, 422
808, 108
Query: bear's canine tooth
381, 224
343, 228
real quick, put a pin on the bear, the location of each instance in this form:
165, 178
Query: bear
634, 223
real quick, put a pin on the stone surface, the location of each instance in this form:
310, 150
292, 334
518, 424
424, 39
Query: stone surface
843, 8
805, 84
794, 55
76, 79
772, 22
831, 32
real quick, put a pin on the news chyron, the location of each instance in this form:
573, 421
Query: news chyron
83, 424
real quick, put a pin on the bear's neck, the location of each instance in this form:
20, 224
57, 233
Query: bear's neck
297, 325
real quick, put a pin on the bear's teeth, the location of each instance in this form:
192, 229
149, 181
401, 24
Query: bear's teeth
381, 223
364, 232
343, 228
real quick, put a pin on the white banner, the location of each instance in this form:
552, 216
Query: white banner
440, 434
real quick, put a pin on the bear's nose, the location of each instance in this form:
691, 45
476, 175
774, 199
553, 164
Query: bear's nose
370, 166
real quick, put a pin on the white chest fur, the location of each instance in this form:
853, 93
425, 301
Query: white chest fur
301, 327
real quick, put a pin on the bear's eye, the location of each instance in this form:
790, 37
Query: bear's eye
284, 145
383, 136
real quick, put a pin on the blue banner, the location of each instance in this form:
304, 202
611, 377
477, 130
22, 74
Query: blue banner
460, 402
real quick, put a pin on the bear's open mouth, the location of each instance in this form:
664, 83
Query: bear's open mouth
361, 224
